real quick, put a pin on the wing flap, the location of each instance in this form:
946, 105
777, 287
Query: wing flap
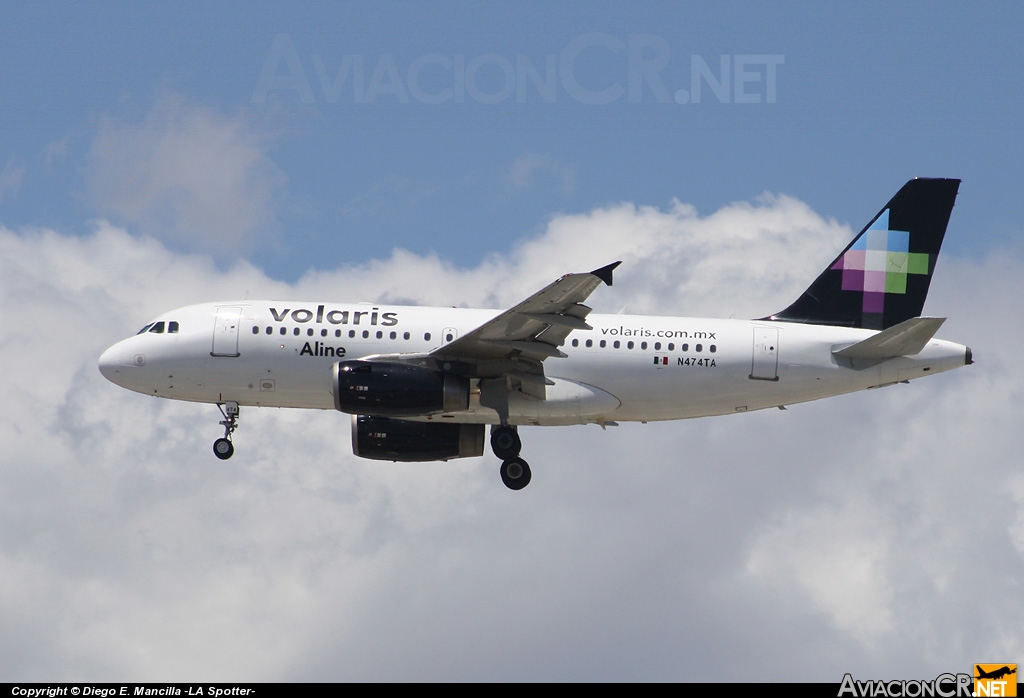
534, 350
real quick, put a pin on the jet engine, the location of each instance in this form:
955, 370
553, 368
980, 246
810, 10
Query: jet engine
381, 438
397, 390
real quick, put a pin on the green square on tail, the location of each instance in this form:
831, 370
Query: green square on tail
895, 282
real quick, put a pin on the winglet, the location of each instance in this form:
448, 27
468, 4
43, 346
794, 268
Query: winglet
605, 273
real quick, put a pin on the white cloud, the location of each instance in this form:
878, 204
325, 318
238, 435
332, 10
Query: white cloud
196, 179
838, 557
1016, 528
674, 262
872, 533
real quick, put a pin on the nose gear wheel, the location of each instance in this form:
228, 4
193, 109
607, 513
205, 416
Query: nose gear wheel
223, 448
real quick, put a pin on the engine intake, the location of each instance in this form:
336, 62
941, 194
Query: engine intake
381, 438
397, 390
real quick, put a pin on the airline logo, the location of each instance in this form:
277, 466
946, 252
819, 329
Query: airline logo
995, 680
879, 263
335, 316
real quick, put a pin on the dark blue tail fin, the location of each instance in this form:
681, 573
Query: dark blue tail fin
882, 277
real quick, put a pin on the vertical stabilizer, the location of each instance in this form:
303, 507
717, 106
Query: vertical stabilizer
881, 279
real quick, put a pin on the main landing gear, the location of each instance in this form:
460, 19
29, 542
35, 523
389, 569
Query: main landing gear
505, 443
223, 448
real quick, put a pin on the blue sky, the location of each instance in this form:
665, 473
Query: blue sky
866, 96
157, 155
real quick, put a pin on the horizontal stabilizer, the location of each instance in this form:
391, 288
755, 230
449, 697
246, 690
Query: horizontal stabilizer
905, 339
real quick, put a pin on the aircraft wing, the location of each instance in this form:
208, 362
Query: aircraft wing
515, 343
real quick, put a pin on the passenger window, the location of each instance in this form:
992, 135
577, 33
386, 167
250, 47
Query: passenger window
255, 330
172, 327
351, 334
643, 345
366, 334
394, 335
157, 328
712, 348
309, 332
699, 347
323, 333
284, 331
270, 330
685, 347
590, 343
657, 346
337, 333
405, 336
296, 331
380, 335
629, 345
575, 342
603, 344
426, 336
671, 346
616, 344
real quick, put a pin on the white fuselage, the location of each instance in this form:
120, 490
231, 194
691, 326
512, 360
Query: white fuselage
627, 368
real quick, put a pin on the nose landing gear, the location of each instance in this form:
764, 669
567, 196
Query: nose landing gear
505, 443
223, 448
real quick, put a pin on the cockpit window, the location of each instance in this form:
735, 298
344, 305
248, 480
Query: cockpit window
157, 328
144, 328
172, 327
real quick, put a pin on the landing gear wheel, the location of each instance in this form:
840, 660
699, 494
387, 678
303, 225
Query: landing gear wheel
505, 442
515, 473
223, 449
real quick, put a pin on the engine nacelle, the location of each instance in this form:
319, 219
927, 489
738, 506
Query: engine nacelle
397, 390
381, 438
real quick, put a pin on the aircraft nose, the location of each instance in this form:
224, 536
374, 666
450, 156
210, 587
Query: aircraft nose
110, 363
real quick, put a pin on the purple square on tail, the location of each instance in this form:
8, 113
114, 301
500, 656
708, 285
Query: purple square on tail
853, 280
873, 302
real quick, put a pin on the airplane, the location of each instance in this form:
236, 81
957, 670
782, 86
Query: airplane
995, 674
422, 383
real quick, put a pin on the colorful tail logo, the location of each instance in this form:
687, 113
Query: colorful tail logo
881, 279
879, 262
